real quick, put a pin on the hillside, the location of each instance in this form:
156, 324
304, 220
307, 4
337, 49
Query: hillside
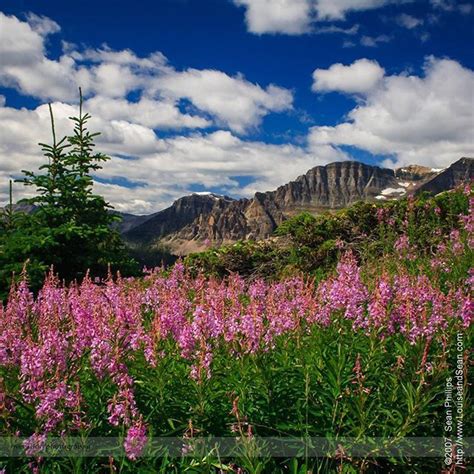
194, 222
378, 233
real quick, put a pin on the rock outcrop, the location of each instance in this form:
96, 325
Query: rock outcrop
182, 212
458, 173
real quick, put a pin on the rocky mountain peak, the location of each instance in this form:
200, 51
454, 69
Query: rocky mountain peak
416, 172
194, 220
181, 213
198, 199
460, 172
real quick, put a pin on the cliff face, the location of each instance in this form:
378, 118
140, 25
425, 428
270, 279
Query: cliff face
458, 173
183, 212
193, 221
335, 185
323, 187
416, 173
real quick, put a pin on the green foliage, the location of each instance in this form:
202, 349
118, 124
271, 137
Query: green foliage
312, 244
70, 228
247, 258
152, 257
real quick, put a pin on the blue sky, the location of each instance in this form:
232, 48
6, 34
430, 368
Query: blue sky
234, 96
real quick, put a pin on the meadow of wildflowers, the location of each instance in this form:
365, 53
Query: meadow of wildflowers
363, 352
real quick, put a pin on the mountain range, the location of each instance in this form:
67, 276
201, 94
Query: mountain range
195, 221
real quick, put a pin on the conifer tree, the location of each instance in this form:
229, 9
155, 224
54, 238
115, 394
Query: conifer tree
71, 227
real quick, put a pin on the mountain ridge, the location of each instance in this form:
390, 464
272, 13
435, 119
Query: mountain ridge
194, 221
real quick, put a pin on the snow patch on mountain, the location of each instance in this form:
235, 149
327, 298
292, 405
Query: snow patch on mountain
390, 191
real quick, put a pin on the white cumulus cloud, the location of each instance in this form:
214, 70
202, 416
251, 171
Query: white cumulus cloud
157, 170
337, 9
426, 119
295, 17
408, 21
292, 17
374, 41
453, 6
359, 77
108, 75
236, 102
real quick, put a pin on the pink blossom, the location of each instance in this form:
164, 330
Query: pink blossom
136, 440
34, 444
379, 305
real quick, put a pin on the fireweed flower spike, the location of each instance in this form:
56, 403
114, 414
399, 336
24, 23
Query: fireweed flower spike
136, 440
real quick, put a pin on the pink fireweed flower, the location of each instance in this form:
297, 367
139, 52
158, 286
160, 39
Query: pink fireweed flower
378, 307
381, 214
419, 309
49, 405
122, 408
289, 305
135, 440
14, 322
110, 325
359, 376
467, 310
441, 264
348, 292
467, 221
456, 244
252, 323
470, 279
187, 448
322, 310
357, 369
403, 247
35, 444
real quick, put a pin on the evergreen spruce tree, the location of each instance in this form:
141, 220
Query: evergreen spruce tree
71, 227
